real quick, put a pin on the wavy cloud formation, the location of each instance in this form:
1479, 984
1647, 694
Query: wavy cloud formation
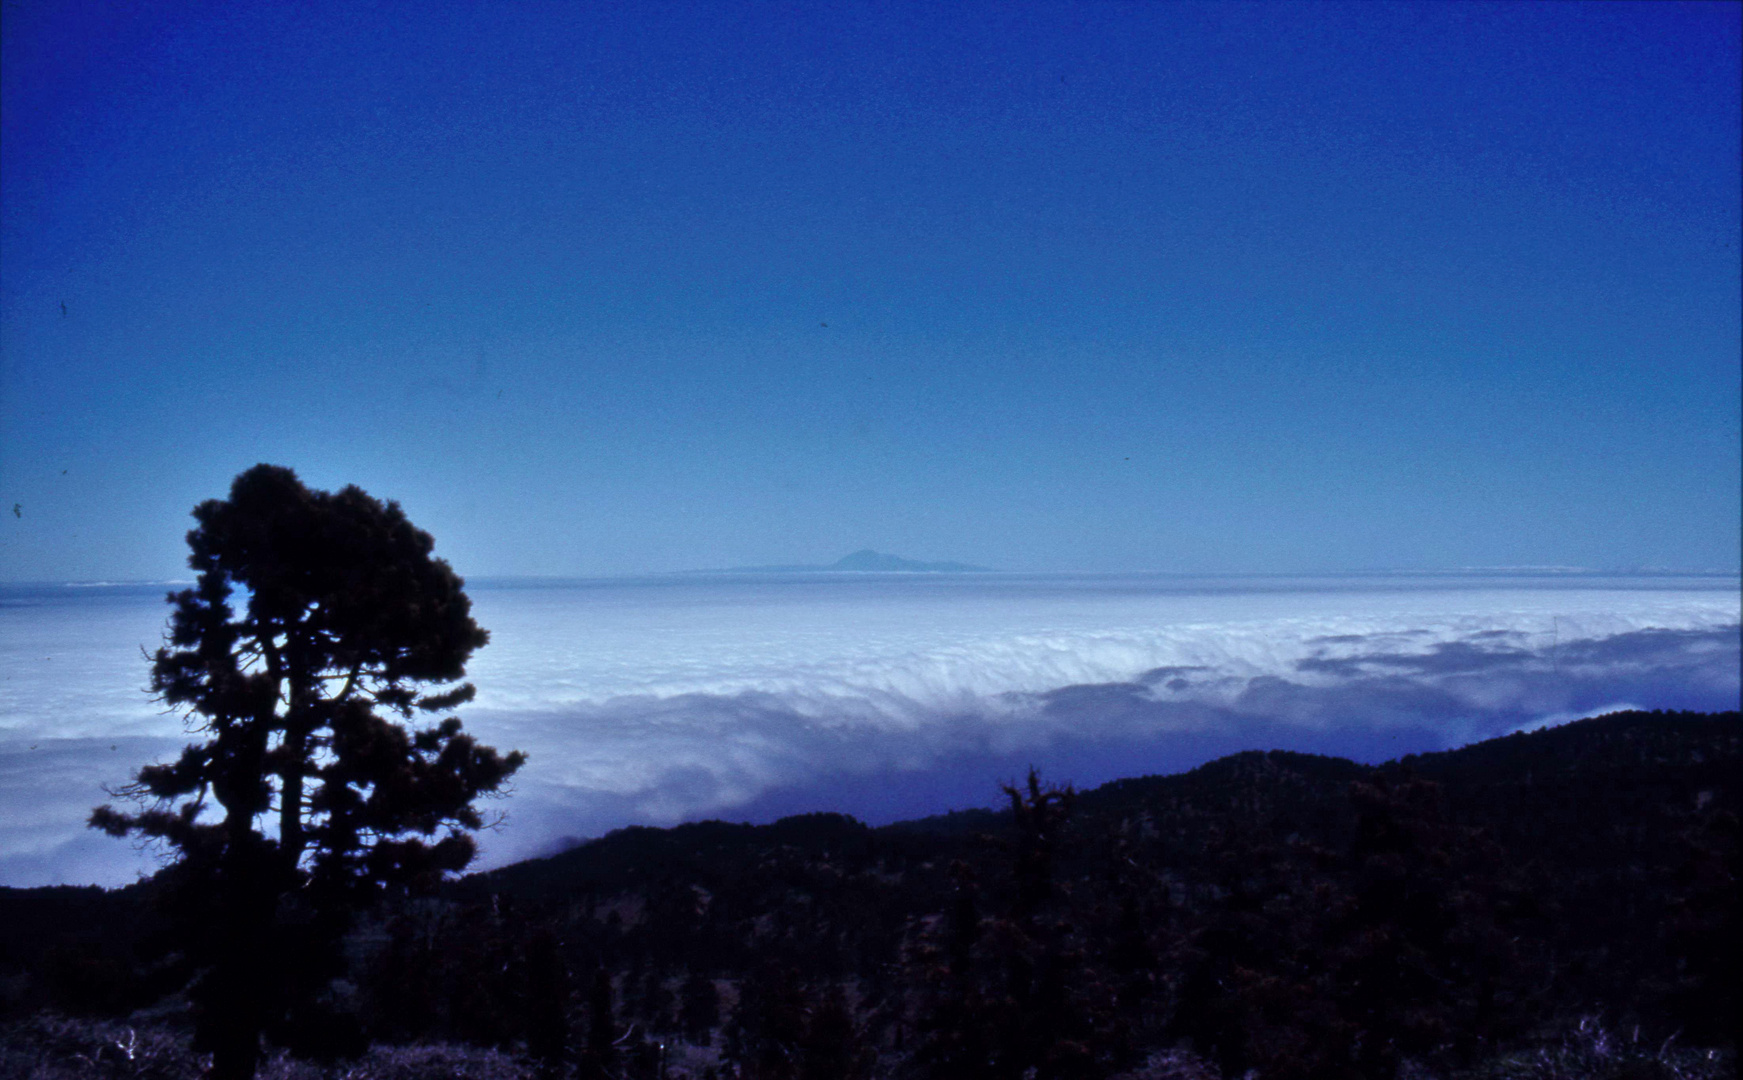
884, 756
655, 703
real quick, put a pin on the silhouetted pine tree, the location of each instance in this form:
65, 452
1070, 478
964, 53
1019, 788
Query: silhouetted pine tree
1038, 815
1013, 995
346, 616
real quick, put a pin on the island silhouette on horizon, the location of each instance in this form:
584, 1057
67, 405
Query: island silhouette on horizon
863, 561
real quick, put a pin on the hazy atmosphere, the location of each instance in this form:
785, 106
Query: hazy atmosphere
617, 289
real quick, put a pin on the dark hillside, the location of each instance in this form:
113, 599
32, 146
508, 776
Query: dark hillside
702, 849
1298, 915
1625, 829
1547, 875
89, 951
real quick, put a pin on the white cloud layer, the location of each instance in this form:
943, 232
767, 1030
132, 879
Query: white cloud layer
662, 701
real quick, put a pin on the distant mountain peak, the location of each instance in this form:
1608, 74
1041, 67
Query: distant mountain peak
867, 560
864, 561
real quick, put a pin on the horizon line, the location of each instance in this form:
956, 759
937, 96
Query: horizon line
824, 570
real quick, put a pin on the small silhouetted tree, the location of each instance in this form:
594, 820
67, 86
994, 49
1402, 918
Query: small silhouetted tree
1040, 814
1010, 995
316, 624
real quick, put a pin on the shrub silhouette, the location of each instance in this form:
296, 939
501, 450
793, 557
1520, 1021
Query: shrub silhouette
325, 798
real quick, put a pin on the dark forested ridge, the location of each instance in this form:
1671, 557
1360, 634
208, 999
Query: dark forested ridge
1302, 916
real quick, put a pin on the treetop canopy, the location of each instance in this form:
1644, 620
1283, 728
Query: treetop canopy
344, 568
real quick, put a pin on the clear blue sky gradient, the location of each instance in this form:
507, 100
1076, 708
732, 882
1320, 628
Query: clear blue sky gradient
604, 289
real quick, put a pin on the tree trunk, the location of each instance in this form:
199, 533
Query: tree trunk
296, 749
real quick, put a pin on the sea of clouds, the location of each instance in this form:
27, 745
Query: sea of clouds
889, 696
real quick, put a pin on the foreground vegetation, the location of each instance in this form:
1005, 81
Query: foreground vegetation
1556, 904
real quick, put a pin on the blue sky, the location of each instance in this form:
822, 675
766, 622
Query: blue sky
606, 289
